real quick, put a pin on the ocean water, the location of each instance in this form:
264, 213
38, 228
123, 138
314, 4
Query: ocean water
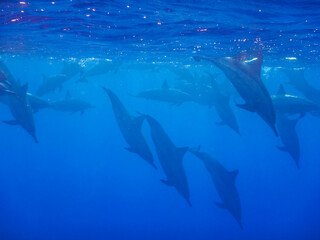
79, 181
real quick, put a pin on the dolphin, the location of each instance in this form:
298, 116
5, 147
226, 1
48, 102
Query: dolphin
289, 137
222, 105
50, 84
69, 104
170, 158
21, 110
130, 128
224, 182
102, 67
299, 82
166, 94
290, 104
70, 69
245, 75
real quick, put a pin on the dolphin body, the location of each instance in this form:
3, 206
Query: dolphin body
289, 104
170, 158
21, 110
289, 137
166, 94
224, 182
245, 76
130, 128
70, 69
70, 104
18, 103
50, 84
100, 68
222, 105
298, 81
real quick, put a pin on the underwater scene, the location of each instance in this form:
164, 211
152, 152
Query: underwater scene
159, 120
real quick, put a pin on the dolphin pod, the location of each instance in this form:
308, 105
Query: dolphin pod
281, 111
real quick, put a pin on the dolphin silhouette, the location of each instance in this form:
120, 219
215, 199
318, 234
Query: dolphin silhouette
170, 158
69, 104
245, 75
289, 137
224, 182
290, 104
21, 110
222, 105
166, 94
130, 128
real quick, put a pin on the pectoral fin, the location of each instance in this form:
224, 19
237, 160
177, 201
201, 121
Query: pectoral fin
11, 122
166, 182
282, 148
220, 205
247, 107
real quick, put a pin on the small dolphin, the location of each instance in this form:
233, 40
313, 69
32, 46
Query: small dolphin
166, 94
299, 82
289, 136
222, 105
289, 104
224, 182
102, 67
21, 110
50, 84
245, 75
170, 158
130, 128
70, 104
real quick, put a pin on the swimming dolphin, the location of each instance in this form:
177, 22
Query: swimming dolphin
70, 69
224, 182
290, 104
50, 84
222, 105
288, 136
130, 128
299, 82
69, 104
166, 94
21, 110
245, 75
102, 67
170, 158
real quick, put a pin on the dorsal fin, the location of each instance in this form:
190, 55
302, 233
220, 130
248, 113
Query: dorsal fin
281, 90
165, 85
68, 95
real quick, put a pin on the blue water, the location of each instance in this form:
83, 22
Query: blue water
79, 182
